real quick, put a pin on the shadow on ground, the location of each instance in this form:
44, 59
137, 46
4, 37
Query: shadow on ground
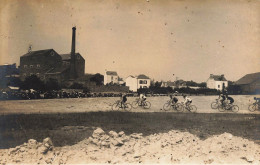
70, 128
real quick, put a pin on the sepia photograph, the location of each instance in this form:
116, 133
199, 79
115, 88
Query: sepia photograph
130, 82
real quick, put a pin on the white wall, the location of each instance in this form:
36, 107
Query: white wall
131, 83
212, 84
110, 78
219, 84
105, 79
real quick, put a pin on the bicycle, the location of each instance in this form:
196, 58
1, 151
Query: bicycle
255, 105
227, 106
124, 106
169, 105
214, 105
145, 104
189, 107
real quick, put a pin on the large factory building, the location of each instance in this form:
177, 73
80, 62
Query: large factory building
48, 64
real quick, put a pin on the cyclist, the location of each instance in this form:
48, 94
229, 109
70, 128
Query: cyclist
174, 99
230, 99
142, 97
257, 99
222, 98
187, 100
123, 99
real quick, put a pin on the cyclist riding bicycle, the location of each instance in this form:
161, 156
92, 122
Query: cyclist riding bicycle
230, 99
174, 99
142, 98
257, 99
187, 100
123, 99
222, 98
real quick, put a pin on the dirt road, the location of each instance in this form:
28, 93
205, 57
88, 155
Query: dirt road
104, 104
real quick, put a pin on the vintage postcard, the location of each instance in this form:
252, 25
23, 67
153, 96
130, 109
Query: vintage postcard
129, 82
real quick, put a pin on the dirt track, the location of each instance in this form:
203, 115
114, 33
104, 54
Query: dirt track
104, 104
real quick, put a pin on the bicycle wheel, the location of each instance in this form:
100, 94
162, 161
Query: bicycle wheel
221, 108
147, 105
115, 106
214, 105
235, 108
179, 107
127, 107
193, 108
252, 107
135, 104
167, 106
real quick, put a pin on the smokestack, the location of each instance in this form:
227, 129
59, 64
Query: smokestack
72, 55
73, 45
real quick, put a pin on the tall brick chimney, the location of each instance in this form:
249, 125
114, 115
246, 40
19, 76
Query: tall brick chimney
73, 74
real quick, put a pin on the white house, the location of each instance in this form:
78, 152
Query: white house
131, 82
168, 84
175, 84
110, 77
217, 82
143, 81
134, 83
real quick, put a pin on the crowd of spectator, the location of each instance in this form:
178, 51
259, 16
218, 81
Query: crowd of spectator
28, 95
58, 94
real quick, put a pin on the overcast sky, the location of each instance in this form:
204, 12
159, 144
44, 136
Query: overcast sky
188, 38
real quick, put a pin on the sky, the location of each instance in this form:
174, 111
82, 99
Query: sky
163, 39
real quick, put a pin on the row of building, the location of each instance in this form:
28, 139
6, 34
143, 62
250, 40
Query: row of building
133, 82
250, 83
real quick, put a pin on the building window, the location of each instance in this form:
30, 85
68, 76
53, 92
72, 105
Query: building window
25, 66
142, 82
112, 78
78, 57
218, 86
31, 66
38, 65
52, 53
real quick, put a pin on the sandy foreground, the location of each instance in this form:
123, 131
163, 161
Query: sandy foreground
173, 147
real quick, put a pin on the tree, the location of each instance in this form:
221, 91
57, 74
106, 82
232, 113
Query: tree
97, 78
158, 84
76, 86
191, 83
202, 85
52, 84
32, 82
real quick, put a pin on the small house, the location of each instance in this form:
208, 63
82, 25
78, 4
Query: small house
218, 82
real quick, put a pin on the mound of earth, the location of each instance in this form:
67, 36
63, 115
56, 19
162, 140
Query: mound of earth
174, 147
